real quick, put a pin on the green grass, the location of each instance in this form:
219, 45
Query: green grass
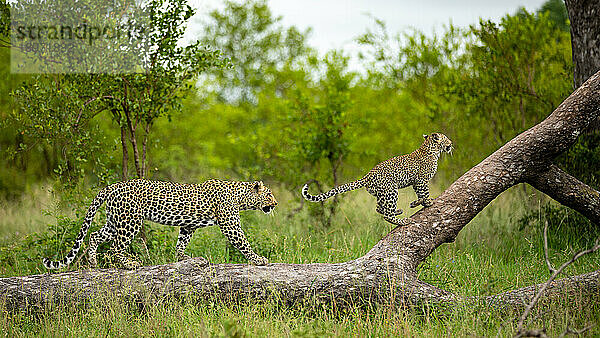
494, 253
27, 214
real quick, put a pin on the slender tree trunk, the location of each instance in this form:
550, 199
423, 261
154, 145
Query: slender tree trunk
144, 149
134, 146
131, 127
125, 163
388, 272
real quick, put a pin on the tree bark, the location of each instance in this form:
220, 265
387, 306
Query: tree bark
144, 149
568, 191
585, 38
572, 286
584, 17
389, 270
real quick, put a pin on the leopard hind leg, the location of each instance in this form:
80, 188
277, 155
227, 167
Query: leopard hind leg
185, 234
387, 206
125, 232
103, 235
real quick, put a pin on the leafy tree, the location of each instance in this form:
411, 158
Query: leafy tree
58, 108
257, 44
317, 131
408, 61
557, 13
495, 80
515, 73
66, 110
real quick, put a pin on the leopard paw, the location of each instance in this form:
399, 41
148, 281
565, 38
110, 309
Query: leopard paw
259, 260
92, 262
131, 265
182, 257
201, 261
416, 203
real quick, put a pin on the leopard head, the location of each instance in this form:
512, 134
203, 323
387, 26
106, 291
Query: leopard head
439, 142
262, 198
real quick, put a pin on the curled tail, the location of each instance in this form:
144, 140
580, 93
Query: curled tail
337, 190
89, 217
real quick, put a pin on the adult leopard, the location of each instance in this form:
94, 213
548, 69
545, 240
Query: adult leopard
384, 180
189, 206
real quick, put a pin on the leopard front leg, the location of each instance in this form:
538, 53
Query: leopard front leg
229, 223
422, 190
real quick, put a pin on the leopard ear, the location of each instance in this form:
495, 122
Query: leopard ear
259, 186
425, 136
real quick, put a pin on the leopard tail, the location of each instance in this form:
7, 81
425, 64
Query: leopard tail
89, 217
337, 190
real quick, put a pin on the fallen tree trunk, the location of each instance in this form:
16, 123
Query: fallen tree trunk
389, 269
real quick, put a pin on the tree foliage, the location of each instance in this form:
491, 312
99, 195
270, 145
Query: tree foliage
257, 44
58, 108
317, 131
516, 71
557, 13
494, 79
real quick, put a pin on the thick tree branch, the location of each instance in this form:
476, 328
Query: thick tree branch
586, 284
568, 191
